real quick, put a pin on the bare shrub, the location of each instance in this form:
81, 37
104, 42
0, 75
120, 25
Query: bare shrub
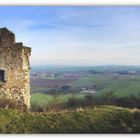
6, 103
36, 108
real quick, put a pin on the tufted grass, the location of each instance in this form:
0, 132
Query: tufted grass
101, 119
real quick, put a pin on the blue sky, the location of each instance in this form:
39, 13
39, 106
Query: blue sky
74, 35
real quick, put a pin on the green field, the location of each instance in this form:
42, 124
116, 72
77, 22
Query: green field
102, 119
36, 89
44, 99
122, 86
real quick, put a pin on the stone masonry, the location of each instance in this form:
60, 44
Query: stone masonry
14, 69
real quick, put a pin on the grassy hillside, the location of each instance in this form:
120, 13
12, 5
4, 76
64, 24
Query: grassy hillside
102, 119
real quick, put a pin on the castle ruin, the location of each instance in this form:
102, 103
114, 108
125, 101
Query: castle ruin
14, 69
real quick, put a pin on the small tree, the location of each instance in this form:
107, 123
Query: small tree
73, 103
89, 100
108, 97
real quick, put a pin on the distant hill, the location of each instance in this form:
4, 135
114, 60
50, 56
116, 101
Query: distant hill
105, 68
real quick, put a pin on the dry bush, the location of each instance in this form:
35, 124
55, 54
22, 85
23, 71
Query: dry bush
36, 108
7, 103
54, 107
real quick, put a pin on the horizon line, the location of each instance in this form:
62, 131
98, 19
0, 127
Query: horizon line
86, 65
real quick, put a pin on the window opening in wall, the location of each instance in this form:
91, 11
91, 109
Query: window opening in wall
2, 76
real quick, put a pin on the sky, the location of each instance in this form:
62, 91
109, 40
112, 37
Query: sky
76, 35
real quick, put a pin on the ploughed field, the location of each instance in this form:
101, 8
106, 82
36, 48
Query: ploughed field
49, 83
120, 85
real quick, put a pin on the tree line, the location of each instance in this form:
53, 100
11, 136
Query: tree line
90, 100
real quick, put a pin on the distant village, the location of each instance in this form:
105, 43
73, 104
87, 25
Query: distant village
60, 81
52, 75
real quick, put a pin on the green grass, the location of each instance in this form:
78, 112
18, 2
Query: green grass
41, 99
102, 119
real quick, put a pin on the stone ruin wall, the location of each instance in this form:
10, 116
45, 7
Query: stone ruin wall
14, 61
